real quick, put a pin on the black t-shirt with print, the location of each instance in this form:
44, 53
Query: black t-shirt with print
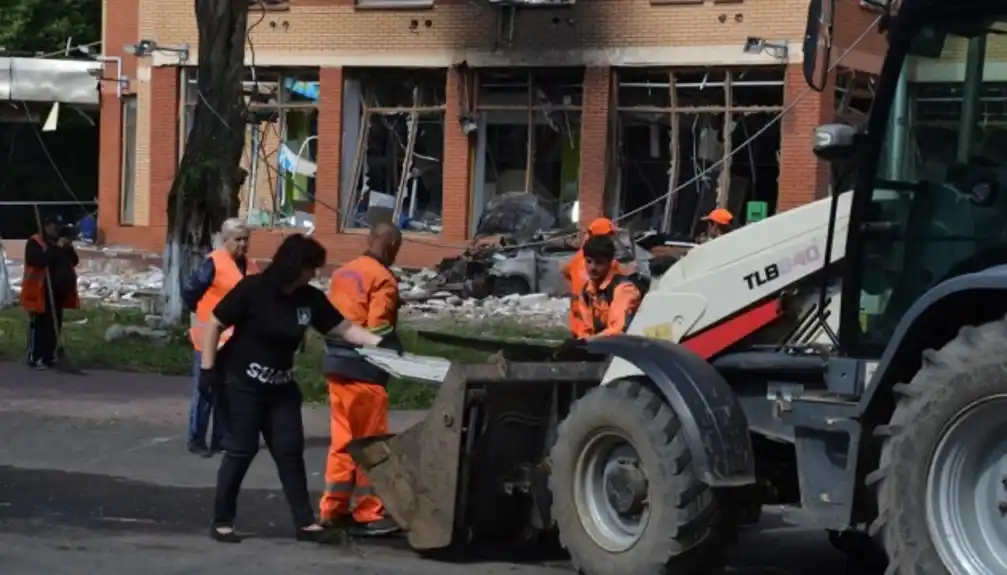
269, 326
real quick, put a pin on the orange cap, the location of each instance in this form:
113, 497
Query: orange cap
719, 216
602, 227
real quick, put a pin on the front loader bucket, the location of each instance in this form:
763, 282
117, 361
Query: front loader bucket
450, 472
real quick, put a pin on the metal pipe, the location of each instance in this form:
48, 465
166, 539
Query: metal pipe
119, 78
974, 63
183, 111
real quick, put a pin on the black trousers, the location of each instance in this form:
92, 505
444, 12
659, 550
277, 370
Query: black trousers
275, 413
42, 340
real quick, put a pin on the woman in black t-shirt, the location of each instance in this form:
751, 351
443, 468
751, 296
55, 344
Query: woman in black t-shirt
269, 314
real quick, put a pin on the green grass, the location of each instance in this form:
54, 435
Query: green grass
84, 338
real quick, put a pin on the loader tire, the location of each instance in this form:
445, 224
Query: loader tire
949, 421
681, 531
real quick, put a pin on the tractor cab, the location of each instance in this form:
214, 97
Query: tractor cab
929, 202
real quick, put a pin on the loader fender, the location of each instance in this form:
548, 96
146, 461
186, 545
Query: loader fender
970, 299
712, 420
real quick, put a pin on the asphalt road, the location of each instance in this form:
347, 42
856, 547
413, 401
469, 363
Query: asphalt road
94, 478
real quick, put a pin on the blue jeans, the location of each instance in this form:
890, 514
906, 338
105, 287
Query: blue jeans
200, 411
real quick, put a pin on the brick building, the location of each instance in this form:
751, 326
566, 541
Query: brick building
431, 108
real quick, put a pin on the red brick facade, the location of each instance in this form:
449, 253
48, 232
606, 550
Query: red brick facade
157, 89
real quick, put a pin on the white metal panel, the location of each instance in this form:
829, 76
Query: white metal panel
47, 80
709, 283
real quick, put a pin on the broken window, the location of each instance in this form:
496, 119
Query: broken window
854, 95
684, 131
393, 142
281, 144
528, 143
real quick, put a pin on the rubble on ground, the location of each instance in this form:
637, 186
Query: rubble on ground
537, 309
133, 289
519, 275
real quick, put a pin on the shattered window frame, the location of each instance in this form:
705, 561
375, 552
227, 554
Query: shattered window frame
673, 99
551, 100
854, 96
275, 96
408, 106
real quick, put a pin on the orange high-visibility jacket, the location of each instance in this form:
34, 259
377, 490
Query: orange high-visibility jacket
33, 296
609, 307
575, 272
366, 292
226, 275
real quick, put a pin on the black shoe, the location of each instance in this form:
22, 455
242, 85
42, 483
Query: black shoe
323, 535
197, 449
230, 536
379, 528
341, 522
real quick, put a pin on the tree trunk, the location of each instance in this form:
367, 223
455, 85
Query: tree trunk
205, 190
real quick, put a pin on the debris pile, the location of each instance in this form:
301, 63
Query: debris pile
421, 293
537, 308
124, 288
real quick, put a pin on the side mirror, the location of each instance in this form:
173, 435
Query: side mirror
818, 43
834, 141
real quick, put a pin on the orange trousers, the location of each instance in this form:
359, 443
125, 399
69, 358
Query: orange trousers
357, 410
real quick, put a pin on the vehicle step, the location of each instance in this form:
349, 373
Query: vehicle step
814, 396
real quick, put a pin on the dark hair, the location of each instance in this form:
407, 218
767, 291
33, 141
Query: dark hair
296, 254
599, 248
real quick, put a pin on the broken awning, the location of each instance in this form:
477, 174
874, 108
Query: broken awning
49, 80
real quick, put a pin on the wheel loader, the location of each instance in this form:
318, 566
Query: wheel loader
846, 360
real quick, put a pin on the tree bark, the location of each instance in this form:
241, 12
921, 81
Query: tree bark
204, 192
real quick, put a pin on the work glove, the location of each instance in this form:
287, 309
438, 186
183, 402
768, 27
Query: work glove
209, 381
392, 342
568, 346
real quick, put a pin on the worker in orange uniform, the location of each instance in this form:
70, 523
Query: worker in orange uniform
575, 272
366, 292
48, 286
610, 297
718, 223
208, 284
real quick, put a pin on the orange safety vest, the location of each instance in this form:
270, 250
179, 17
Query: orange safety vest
33, 296
366, 292
609, 308
575, 271
226, 275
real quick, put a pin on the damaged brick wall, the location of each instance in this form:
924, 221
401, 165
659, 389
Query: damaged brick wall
330, 34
